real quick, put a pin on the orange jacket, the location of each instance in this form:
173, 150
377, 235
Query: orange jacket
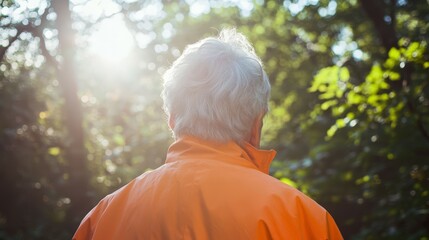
208, 191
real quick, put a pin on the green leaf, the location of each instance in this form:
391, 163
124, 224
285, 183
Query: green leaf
354, 98
348, 176
394, 54
54, 151
119, 139
375, 75
340, 123
326, 105
344, 74
338, 110
331, 131
413, 50
373, 100
326, 76
390, 63
394, 76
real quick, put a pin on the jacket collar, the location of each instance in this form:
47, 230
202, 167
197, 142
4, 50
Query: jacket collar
189, 147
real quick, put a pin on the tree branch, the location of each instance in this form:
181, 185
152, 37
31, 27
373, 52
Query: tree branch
393, 13
3, 50
20, 29
386, 32
45, 52
38, 32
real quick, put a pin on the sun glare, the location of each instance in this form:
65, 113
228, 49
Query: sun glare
111, 40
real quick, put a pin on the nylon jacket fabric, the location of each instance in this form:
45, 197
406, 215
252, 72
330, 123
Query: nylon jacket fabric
208, 191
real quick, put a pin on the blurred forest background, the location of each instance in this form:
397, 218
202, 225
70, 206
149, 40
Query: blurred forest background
81, 112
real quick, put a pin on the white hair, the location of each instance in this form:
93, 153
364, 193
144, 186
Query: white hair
216, 89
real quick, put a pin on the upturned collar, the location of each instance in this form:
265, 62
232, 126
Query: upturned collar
189, 147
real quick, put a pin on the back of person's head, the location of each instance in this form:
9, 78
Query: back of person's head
216, 89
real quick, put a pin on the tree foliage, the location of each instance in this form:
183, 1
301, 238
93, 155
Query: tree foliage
349, 114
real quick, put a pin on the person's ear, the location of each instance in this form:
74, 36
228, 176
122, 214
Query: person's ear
171, 121
255, 134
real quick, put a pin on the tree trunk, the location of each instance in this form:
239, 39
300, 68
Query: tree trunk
77, 187
386, 32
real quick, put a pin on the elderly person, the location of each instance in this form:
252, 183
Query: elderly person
214, 183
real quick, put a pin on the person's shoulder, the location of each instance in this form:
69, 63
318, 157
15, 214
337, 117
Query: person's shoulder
286, 194
131, 185
290, 207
